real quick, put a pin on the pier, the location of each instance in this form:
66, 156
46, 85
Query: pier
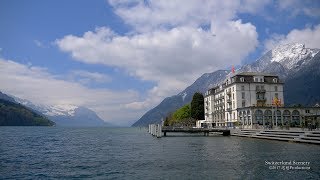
157, 130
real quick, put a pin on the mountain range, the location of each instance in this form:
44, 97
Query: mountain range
62, 115
297, 65
15, 114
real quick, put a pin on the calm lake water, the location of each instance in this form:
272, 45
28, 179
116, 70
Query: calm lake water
131, 153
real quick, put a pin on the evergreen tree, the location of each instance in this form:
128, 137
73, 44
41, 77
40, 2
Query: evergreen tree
197, 106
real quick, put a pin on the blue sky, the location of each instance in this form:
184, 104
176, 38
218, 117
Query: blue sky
121, 58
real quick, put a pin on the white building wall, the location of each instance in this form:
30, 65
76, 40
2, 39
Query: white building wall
250, 98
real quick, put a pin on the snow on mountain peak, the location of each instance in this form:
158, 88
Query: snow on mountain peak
290, 54
61, 109
50, 110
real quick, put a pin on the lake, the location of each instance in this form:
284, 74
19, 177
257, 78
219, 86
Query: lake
132, 153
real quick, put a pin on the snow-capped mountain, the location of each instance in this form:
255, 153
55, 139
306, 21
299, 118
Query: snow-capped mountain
282, 59
293, 63
50, 110
66, 114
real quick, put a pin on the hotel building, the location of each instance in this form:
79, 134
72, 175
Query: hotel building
253, 100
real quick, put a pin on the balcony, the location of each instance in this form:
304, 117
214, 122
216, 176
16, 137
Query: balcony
261, 100
260, 91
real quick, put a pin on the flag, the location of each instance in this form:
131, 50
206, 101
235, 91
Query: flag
232, 69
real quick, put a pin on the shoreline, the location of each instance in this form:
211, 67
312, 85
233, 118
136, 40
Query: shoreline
298, 136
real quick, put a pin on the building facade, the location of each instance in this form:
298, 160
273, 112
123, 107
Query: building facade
251, 100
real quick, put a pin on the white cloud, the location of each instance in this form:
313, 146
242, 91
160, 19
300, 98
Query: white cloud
167, 45
86, 77
39, 86
150, 15
296, 7
310, 36
171, 58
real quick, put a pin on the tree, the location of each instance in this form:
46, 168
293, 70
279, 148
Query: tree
182, 113
197, 106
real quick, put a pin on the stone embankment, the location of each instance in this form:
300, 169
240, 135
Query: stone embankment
281, 135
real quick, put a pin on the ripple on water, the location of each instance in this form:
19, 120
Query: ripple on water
129, 153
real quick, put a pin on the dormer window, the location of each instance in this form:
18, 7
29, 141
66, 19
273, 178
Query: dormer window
242, 79
275, 80
256, 80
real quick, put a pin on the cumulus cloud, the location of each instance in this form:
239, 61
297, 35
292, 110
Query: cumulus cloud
171, 58
149, 15
310, 36
39, 86
167, 44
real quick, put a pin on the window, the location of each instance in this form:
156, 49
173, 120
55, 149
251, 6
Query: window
275, 88
232, 88
242, 88
276, 95
243, 103
233, 105
261, 79
256, 79
242, 79
262, 87
234, 115
260, 96
257, 87
307, 111
275, 80
243, 95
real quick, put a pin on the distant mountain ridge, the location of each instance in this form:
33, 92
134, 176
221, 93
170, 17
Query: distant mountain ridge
66, 114
293, 63
14, 114
170, 104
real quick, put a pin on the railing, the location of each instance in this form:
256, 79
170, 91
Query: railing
261, 100
260, 90
221, 97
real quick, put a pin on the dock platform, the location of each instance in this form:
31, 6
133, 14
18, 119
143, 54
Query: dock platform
205, 131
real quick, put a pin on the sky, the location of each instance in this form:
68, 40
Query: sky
121, 58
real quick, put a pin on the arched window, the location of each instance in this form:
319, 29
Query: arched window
295, 118
245, 118
275, 80
249, 117
286, 117
268, 117
259, 116
277, 118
